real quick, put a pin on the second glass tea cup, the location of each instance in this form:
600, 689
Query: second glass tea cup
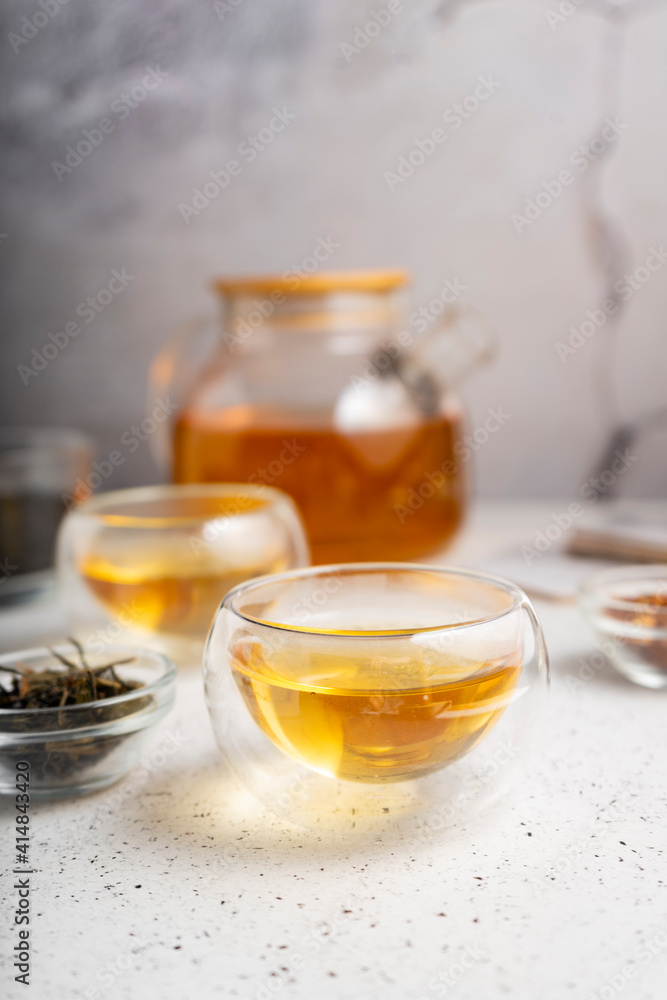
153, 564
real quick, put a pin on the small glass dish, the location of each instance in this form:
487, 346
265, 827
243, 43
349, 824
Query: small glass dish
149, 566
346, 693
627, 607
83, 748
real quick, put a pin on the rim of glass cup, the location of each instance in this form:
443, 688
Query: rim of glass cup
166, 679
519, 598
23, 438
29, 435
95, 506
593, 589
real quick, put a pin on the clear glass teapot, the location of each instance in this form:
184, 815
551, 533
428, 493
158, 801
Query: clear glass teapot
324, 386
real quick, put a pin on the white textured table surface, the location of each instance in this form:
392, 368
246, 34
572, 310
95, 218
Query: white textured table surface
156, 888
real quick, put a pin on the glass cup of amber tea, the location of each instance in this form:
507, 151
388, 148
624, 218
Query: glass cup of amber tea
351, 694
154, 563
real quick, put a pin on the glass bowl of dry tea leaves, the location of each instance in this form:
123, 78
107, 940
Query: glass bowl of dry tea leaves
76, 720
627, 607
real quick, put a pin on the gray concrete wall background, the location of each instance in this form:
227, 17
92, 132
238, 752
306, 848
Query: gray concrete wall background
361, 100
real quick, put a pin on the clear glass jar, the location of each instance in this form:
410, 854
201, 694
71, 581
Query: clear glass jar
318, 386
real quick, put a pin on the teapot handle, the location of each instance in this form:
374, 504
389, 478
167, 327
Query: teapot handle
172, 376
463, 341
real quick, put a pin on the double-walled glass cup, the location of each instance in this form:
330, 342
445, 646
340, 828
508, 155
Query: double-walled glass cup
343, 693
151, 565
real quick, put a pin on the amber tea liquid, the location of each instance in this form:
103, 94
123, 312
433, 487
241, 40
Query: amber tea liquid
338, 721
363, 496
159, 600
164, 584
